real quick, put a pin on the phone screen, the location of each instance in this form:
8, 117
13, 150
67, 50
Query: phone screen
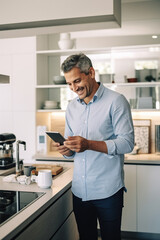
56, 136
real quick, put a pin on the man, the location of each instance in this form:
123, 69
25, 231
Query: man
98, 132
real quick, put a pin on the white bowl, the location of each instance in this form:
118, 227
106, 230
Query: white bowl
66, 44
59, 80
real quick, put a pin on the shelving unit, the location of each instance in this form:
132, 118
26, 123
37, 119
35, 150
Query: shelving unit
73, 51
48, 65
49, 61
53, 89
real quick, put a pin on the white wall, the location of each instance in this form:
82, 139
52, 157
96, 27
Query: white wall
17, 99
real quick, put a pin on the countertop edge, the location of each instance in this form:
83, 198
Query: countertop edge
16, 224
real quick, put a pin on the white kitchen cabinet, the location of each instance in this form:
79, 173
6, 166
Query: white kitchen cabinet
17, 99
141, 213
5, 89
129, 212
148, 198
23, 82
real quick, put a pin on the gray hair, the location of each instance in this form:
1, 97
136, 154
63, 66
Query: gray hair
80, 61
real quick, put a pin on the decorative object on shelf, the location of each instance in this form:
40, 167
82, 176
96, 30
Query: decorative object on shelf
51, 105
135, 150
125, 79
157, 139
65, 41
142, 134
131, 80
150, 78
59, 80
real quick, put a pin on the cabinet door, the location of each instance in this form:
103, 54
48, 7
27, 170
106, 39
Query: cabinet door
129, 210
148, 192
68, 231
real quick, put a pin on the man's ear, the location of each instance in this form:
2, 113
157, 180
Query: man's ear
92, 72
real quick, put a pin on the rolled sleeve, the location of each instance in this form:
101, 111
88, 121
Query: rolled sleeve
123, 141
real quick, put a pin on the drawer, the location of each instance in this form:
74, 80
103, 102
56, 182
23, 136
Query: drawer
47, 224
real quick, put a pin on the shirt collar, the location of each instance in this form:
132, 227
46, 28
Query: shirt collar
97, 95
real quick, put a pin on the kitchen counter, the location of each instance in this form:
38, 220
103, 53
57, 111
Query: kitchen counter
61, 183
58, 159
151, 158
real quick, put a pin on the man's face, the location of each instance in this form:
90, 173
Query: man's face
80, 83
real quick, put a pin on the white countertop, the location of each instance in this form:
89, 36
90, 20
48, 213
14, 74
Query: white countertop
60, 184
151, 158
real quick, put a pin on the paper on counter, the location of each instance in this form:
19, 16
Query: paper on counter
10, 178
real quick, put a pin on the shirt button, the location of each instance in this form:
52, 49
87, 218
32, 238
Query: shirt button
83, 159
82, 176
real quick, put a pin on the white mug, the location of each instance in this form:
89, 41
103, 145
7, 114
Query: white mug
44, 179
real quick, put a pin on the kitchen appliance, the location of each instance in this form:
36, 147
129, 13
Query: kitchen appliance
6, 150
12, 202
41, 139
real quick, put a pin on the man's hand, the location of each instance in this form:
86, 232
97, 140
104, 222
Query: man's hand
62, 149
76, 144
80, 144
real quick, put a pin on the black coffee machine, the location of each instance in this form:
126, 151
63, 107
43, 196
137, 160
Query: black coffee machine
6, 150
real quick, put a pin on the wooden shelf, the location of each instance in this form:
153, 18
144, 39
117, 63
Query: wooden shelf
50, 110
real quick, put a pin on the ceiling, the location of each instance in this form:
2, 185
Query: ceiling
139, 17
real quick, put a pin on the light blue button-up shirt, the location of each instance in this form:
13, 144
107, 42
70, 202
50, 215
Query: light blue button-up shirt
107, 117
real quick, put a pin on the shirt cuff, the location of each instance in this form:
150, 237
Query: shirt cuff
69, 157
111, 147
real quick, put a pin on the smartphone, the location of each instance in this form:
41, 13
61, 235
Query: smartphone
56, 136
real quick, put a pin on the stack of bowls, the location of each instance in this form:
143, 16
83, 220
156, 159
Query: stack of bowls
51, 105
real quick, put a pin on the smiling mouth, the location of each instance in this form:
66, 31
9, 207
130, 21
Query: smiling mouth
80, 91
